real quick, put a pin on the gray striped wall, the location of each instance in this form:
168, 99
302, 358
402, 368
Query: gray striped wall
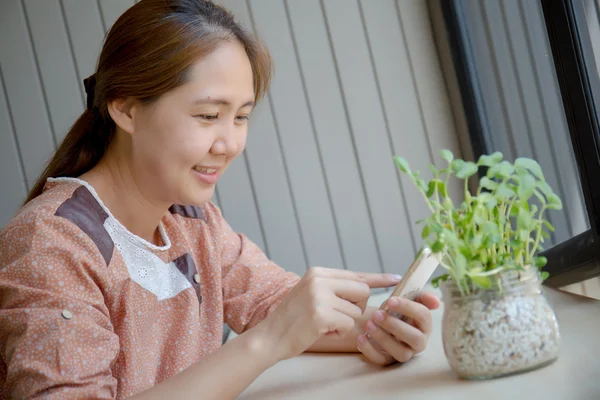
356, 82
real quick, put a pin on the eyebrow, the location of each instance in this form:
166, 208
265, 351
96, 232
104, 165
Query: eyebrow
209, 100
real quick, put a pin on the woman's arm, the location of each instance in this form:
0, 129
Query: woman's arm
221, 375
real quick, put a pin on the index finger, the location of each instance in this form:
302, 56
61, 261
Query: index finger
371, 279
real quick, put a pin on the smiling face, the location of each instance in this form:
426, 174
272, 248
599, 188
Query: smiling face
181, 144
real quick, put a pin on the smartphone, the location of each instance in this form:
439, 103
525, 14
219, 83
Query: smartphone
415, 278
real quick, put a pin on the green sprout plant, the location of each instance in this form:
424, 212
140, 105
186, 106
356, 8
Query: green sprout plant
501, 227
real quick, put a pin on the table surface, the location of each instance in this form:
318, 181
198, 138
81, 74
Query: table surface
575, 375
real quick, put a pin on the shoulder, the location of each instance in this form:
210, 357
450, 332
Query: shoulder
64, 217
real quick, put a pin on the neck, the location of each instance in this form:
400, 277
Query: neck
116, 185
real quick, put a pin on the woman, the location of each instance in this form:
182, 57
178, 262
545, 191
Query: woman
118, 273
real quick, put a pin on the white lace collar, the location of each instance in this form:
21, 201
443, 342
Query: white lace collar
134, 238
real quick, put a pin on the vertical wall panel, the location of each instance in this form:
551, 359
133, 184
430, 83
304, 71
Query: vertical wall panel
12, 179
400, 98
24, 91
335, 140
86, 32
59, 78
432, 95
110, 10
384, 193
295, 131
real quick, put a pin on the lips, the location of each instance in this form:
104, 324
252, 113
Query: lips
207, 174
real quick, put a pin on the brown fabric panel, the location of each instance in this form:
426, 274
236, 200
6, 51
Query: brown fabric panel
186, 265
194, 212
83, 210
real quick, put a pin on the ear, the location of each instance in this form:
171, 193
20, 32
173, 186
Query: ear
122, 112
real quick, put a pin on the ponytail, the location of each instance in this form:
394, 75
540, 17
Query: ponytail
82, 148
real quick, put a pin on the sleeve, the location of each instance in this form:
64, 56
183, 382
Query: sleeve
253, 285
56, 338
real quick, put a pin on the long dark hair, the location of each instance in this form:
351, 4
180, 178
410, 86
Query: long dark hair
146, 53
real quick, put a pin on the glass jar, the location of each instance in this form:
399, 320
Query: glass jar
507, 329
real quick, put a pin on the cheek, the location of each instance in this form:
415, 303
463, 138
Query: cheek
240, 142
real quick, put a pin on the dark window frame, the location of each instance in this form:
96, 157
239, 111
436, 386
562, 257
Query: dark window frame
578, 258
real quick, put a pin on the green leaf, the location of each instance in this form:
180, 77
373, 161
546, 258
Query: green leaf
402, 164
504, 192
477, 241
549, 226
545, 188
487, 183
430, 188
526, 186
447, 155
442, 188
460, 263
554, 202
447, 204
531, 165
456, 165
426, 231
434, 170
541, 261
435, 227
466, 170
495, 237
501, 170
489, 227
545, 275
491, 203
482, 281
524, 219
490, 160
435, 282
437, 246
422, 185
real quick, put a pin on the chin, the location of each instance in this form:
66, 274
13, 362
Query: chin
197, 199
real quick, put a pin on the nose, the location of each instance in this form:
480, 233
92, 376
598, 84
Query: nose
227, 141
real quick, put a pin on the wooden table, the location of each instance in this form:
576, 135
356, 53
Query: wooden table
575, 375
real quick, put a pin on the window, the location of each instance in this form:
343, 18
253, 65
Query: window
528, 77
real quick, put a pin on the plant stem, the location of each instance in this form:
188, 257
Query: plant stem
539, 234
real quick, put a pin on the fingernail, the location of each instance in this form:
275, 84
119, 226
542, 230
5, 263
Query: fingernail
395, 278
371, 326
394, 302
378, 316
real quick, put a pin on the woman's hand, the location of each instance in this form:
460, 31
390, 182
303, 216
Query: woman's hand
325, 302
395, 340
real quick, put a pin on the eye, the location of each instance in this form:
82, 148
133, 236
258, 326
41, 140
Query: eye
242, 118
207, 117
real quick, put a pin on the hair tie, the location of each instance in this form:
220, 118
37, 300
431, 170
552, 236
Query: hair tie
90, 89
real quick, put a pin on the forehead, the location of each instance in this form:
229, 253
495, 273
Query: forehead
224, 72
